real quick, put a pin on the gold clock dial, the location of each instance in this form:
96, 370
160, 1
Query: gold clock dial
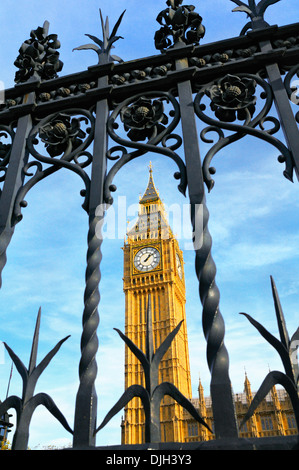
147, 259
179, 266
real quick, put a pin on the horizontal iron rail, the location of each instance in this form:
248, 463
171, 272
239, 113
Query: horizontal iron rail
281, 56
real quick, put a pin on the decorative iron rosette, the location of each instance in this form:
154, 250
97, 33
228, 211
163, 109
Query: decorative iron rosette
149, 120
61, 132
234, 98
181, 23
38, 55
143, 118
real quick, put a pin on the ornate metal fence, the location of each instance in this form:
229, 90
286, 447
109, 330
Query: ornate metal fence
50, 123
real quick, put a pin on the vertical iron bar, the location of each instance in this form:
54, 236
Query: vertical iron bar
14, 176
213, 324
13, 181
283, 106
86, 400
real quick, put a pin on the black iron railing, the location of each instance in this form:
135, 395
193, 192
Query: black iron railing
54, 120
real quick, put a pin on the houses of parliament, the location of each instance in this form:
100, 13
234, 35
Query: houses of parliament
154, 266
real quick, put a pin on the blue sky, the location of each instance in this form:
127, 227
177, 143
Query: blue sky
253, 221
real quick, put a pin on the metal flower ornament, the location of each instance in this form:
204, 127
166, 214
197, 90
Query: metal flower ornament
26, 405
153, 393
287, 349
181, 23
143, 117
60, 133
38, 55
232, 96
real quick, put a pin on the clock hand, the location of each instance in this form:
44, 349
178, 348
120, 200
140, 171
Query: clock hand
148, 257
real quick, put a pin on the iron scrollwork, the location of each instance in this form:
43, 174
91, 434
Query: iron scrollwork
62, 136
6, 132
144, 119
234, 98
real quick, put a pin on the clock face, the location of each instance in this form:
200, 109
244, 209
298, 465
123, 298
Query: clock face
179, 266
147, 259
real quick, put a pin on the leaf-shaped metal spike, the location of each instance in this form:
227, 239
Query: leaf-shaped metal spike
11, 402
87, 46
165, 345
256, 12
280, 348
127, 396
96, 40
104, 46
44, 363
21, 368
244, 9
116, 58
135, 350
241, 4
167, 388
117, 24
284, 336
33, 356
48, 402
26, 405
272, 379
264, 4
152, 395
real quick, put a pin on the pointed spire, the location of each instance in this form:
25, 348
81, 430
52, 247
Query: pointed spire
151, 193
247, 389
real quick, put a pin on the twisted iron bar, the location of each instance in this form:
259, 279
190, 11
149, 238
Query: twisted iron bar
89, 339
212, 320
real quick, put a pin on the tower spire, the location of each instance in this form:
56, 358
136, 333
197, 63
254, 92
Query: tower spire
151, 193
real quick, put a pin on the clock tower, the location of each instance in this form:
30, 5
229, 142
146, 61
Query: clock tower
153, 265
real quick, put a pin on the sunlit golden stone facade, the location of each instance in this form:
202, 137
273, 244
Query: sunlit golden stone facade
273, 417
153, 265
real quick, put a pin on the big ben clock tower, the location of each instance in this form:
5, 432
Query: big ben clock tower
153, 265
